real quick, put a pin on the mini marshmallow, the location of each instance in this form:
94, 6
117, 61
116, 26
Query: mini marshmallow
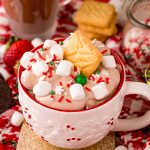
77, 92
64, 68
26, 74
42, 88
17, 119
39, 68
25, 60
48, 44
58, 51
5, 74
100, 90
36, 42
72, 65
109, 61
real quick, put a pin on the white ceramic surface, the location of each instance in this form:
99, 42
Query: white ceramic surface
82, 128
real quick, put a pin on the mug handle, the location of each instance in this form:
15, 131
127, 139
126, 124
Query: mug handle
139, 122
64, 2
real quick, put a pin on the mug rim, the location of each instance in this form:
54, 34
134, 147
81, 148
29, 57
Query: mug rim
122, 79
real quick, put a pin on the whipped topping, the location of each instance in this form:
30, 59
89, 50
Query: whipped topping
54, 80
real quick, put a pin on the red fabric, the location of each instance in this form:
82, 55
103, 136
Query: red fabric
136, 140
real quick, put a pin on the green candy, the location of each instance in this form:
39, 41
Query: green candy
81, 79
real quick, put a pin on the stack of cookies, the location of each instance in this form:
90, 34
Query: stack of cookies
96, 19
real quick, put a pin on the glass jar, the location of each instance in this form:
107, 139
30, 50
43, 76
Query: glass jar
136, 35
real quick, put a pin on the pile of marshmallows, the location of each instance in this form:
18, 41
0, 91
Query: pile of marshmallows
43, 88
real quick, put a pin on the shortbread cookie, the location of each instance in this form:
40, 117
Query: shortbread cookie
82, 53
95, 13
108, 31
92, 36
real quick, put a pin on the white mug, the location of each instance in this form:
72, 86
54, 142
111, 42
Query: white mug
79, 129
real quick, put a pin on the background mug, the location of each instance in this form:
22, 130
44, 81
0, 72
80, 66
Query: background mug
29, 19
79, 129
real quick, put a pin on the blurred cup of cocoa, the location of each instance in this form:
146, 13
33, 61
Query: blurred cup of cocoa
29, 19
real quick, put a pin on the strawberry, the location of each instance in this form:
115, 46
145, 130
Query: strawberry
1, 146
15, 52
